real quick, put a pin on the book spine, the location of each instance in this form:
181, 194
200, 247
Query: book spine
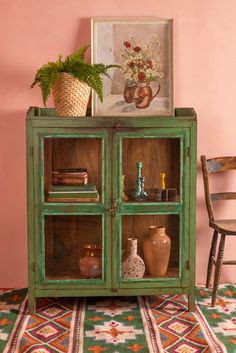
72, 194
73, 188
69, 181
69, 175
86, 199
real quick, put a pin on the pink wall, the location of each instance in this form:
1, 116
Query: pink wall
33, 32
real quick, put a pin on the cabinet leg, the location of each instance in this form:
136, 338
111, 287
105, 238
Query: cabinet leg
31, 304
191, 301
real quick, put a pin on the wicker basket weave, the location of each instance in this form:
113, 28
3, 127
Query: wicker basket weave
70, 96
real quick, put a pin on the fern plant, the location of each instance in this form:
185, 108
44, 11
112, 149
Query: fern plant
74, 64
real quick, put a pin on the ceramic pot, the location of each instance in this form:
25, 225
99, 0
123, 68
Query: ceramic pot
156, 248
90, 261
132, 264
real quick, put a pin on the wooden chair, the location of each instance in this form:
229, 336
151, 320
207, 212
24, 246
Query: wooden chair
224, 227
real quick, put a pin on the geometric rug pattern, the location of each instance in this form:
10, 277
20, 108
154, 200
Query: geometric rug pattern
111, 325
11, 304
221, 318
180, 330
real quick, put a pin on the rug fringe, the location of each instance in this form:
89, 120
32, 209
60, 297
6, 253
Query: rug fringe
148, 319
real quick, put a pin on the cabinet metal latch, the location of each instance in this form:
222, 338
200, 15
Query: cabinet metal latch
114, 207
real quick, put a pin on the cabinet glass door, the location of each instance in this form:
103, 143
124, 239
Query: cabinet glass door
150, 246
73, 247
151, 199
151, 169
73, 169
72, 215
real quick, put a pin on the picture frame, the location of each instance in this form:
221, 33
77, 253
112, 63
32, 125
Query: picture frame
143, 47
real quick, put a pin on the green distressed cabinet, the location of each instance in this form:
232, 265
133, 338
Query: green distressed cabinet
60, 232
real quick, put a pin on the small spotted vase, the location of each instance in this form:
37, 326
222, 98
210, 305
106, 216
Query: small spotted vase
132, 264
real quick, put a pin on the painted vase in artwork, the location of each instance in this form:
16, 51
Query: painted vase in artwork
143, 95
129, 91
132, 264
156, 248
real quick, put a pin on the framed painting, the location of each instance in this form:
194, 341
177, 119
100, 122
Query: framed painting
143, 85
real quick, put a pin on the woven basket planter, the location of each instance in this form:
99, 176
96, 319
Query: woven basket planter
70, 96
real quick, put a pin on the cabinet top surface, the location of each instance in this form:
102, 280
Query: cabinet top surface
49, 115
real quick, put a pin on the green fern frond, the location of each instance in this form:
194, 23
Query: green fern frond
95, 82
89, 74
75, 65
113, 66
77, 57
79, 54
49, 76
59, 58
102, 69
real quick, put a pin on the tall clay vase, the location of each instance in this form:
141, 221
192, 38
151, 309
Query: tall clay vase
132, 264
156, 248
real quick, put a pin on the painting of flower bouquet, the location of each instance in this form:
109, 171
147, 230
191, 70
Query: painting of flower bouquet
143, 85
141, 67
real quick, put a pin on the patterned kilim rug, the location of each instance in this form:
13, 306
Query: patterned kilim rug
112, 325
221, 318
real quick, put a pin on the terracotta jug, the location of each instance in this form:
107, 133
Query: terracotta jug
132, 264
156, 247
90, 261
143, 95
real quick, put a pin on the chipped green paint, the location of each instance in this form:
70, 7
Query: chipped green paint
43, 123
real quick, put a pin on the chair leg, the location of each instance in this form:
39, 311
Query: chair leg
211, 254
218, 269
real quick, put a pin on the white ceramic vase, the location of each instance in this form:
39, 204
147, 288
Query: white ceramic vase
132, 264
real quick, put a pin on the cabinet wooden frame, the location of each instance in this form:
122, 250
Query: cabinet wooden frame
111, 211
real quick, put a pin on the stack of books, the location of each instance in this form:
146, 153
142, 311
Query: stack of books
71, 185
70, 176
73, 193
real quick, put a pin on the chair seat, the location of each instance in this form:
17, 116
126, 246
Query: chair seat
226, 226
